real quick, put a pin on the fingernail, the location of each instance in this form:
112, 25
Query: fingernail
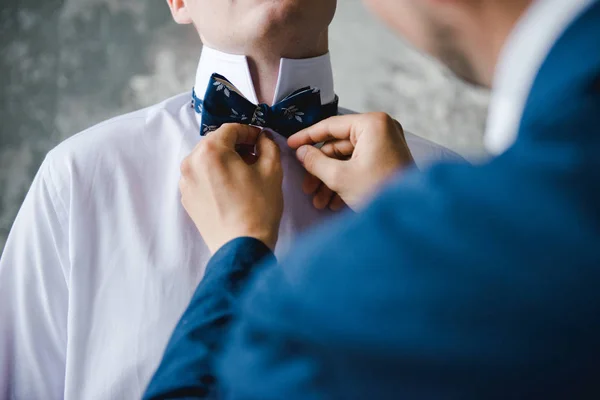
301, 153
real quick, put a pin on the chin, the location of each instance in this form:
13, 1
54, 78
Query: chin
259, 23
279, 13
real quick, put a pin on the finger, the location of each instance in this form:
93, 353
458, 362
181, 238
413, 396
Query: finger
231, 135
311, 184
340, 127
340, 149
318, 164
336, 203
268, 152
323, 197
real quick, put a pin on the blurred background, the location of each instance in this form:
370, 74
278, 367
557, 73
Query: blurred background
68, 64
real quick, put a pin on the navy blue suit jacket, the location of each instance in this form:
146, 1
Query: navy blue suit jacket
462, 282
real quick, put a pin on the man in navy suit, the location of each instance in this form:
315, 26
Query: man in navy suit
458, 282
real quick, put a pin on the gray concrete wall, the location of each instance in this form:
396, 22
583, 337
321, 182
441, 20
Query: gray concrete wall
68, 64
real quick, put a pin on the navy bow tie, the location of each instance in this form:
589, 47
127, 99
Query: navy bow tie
223, 103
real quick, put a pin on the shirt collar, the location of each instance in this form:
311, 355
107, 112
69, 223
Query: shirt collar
520, 60
293, 74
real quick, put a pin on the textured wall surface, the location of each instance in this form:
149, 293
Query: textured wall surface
68, 64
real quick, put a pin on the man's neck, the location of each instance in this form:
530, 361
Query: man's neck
499, 21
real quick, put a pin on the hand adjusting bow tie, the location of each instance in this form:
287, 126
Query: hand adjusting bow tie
223, 103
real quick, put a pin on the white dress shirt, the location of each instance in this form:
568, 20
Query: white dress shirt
520, 60
102, 259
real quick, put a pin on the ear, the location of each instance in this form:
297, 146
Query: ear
180, 11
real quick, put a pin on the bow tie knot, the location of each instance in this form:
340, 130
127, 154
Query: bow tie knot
223, 103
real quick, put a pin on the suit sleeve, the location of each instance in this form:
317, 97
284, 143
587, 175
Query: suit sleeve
34, 297
187, 368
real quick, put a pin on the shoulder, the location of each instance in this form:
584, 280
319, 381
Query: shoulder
424, 151
133, 137
106, 161
116, 132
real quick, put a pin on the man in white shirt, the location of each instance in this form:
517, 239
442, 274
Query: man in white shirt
102, 259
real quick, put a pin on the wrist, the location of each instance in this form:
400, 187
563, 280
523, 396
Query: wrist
236, 259
267, 238
266, 234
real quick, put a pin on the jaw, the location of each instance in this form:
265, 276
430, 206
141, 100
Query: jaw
289, 28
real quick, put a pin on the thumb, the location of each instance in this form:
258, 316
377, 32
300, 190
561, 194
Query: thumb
323, 167
268, 152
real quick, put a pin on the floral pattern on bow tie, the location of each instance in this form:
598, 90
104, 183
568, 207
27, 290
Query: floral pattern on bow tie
258, 117
293, 112
220, 86
236, 115
209, 128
